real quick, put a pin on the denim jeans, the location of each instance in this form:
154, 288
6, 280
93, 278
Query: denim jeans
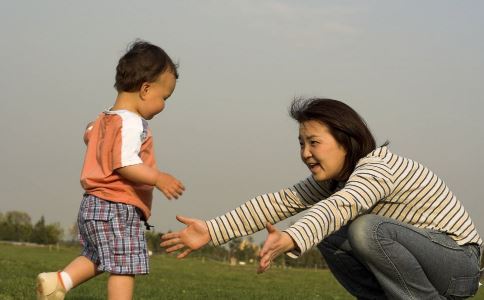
375, 257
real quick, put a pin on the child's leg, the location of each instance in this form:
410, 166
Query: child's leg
54, 285
120, 287
80, 270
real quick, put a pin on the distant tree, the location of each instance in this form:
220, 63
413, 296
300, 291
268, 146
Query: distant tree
234, 246
243, 249
211, 252
3, 226
39, 233
54, 233
46, 234
310, 259
15, 226
248, 250
73, 233
153, 240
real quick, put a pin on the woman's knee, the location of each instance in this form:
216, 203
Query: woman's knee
361, 234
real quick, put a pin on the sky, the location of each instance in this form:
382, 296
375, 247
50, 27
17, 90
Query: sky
413, 69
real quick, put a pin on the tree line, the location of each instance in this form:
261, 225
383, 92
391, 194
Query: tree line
17, 226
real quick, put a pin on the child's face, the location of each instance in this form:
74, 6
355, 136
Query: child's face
154, 94
320, 151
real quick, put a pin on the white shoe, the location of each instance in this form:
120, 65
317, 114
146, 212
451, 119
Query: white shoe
49, 287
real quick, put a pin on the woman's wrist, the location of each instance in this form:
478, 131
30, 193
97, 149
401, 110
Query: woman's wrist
288, 242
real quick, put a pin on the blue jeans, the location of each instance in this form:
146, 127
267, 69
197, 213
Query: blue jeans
375, 257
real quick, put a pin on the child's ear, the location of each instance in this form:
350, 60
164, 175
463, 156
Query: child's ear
143, 91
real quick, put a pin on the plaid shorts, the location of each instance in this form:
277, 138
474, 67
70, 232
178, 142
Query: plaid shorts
112, 236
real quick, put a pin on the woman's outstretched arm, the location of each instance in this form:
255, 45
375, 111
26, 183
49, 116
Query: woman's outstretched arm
246, 219
272, 208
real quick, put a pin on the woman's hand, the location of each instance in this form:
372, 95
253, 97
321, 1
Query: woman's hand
192, 237
277, 242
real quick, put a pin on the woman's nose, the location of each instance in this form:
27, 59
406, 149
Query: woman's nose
305, 153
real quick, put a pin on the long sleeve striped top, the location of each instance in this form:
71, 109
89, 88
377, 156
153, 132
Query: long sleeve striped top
382, 183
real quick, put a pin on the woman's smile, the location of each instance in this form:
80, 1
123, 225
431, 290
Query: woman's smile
318, 146
314, 167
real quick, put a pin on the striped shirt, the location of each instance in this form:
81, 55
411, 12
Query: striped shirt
382, 183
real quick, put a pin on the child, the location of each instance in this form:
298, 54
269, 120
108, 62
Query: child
118, 175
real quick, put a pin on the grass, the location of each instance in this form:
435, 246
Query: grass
170, 278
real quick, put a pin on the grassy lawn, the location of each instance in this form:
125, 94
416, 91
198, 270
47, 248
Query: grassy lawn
170, 278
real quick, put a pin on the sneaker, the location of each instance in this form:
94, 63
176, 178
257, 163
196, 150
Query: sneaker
49, 287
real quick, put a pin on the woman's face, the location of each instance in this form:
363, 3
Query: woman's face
323, 155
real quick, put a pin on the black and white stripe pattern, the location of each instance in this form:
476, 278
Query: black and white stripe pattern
382, 183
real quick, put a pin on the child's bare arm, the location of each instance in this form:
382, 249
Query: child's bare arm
141, 173
87, 132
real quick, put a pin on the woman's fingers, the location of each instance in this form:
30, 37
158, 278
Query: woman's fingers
270, 228
184, 253
184, 220
263, 251
173, 241
170, 236
264, 264
193, 236
174, 248
167, 243
265, 260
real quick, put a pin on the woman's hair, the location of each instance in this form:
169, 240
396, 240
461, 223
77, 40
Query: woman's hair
344, 124
143, 62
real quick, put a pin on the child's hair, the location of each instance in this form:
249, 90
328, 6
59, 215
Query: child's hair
344, 124
143, 62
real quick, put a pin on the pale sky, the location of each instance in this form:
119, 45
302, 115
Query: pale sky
413, 69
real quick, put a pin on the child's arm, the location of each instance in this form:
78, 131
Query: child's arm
87, 132
141, 173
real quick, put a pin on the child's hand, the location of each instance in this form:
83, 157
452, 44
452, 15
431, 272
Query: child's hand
169, 185
192, 237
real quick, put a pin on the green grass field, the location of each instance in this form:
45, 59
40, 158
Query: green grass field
170, 278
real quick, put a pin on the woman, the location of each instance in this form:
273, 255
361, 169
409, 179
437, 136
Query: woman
387, 226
